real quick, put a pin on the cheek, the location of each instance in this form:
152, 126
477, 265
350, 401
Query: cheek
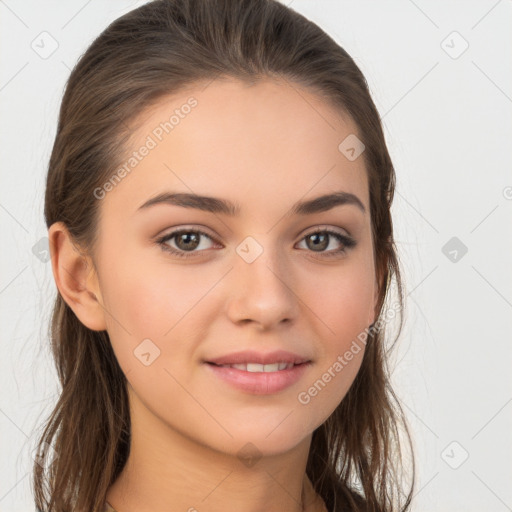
342, 306
342, 300
138, 306
147, 299
158, 302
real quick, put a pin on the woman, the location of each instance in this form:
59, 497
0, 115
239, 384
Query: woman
218, 209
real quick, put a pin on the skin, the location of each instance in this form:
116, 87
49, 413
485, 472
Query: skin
267, 147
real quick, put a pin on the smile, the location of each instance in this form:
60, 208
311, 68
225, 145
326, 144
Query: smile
255, 367
259, 379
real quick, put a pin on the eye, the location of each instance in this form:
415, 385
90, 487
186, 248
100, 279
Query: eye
321, 239
186, 241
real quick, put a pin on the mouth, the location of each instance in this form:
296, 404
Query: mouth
257, 378
256, 361
259, 368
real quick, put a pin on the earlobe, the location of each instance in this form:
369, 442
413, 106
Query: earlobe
76, 278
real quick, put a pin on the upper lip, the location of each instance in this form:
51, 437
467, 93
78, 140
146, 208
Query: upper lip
252, 356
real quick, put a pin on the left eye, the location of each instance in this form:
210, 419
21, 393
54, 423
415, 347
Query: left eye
321, 238
186, 242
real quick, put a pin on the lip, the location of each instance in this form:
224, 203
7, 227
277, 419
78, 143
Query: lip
259, 383
253, 356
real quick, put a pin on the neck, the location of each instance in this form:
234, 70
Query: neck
168, 471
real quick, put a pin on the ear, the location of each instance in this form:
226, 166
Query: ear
76, 278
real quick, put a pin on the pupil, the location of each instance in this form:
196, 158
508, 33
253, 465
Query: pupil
188, 237
321, 245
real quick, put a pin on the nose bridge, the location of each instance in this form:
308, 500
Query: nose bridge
262, 281
258, 256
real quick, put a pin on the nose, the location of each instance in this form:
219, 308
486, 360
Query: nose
261, 288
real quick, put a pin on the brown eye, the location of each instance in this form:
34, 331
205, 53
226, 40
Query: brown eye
186, 241
320, 240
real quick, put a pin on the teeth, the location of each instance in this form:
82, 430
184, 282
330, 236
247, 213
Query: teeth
255, 367
237, 366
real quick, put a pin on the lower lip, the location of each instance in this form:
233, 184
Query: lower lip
260, 383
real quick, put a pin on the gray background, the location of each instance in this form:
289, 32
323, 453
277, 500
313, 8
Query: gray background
447, 119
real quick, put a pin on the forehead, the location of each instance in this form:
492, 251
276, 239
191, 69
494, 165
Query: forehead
268, 142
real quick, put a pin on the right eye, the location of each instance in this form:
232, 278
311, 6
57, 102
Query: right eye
186, 242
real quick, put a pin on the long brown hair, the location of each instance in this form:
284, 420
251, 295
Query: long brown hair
356, 459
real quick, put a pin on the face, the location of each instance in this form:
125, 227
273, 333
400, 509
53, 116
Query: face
182, 285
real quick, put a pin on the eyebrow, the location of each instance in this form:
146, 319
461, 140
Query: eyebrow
226, 207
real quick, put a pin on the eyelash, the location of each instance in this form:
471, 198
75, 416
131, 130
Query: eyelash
346, 241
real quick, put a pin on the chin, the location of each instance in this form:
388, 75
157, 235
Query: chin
261, 440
